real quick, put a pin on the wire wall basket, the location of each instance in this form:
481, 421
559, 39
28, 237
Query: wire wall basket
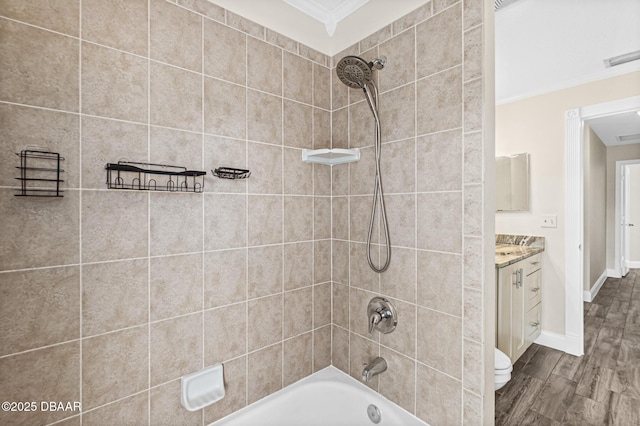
231, 173
40, 174
153, 177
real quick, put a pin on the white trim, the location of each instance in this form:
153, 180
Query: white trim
613, 273
589, 295
618, 212
633, 264
574, 256
566, 343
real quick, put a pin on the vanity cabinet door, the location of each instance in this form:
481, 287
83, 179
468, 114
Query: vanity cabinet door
511, 337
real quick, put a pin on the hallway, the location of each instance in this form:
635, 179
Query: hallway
550, 387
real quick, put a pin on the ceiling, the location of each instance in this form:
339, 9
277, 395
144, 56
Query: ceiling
619, 129
541, 46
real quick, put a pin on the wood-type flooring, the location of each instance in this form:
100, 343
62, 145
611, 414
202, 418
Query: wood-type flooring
602, 387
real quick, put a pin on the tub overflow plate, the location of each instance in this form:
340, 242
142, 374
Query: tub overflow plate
374, 414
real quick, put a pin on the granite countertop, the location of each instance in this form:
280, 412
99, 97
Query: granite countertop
506, 254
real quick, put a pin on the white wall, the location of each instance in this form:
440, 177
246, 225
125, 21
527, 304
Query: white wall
537, 125
595, 212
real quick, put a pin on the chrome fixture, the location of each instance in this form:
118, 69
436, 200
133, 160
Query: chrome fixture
374, 368
357, 73
622, 59
382, 315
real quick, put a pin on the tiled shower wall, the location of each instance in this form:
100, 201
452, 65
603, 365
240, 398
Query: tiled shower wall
431, 97
108, 297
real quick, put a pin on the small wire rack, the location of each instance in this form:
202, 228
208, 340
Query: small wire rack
153, 177
40, 174
231, 173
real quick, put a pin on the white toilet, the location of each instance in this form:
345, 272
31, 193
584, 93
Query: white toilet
503, 369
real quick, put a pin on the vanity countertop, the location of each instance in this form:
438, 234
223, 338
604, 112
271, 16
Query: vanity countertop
506, 254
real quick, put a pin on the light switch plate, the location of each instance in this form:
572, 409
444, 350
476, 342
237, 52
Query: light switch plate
549, 221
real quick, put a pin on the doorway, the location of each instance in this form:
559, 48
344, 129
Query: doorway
627, 245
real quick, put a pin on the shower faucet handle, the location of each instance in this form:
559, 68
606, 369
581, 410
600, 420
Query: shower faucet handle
382, 315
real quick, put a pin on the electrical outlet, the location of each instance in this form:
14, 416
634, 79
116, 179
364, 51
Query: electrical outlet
549, 221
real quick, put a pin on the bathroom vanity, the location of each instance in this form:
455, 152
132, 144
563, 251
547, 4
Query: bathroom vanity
519, 292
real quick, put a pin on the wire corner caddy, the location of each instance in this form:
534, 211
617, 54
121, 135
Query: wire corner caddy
40, 173
153, 177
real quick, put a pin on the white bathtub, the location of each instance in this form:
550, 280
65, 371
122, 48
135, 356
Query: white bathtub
327, 397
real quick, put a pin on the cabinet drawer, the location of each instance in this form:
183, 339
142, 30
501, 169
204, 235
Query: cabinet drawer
532, 289
532, 264
533, 323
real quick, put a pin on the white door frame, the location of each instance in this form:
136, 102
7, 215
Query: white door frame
574, 213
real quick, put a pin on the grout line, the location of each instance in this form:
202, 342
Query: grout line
148, 214
80, 200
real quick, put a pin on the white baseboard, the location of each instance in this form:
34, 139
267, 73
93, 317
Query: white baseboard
589, 295
614, 273
633, 264
569, 344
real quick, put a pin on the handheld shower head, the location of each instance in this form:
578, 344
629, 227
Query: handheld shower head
355, 72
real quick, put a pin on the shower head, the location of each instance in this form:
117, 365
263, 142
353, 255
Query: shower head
355, 72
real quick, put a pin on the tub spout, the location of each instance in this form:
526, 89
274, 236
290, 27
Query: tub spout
376, 367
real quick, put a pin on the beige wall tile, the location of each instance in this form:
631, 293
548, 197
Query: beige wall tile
114, 295
109, 141
265, 271
37, 231
297, 131
175, 35
265, 163
397, 111
340, 262
412, 18
398, 166
55, 370
265, 322
473, 106
165, 408
114, 366
175, 223
361, 274
472, 407
225, 334
175, 348
358, 320
235, 385
472, 53
439, 99
297, 74
321, 86
321, 305
245, 25
438, 397
473, 314
321, 261
122, 24
224, 109
340, 129
176, 148
321, 129
132, 410
440, 221
225, 221
225, 277
58, 15
225, 51
264, 372
205, 8
321, 218
340, 305
473, 158
473, 365
340, 217
400, 53
114, 84
472, 276
362, 173
398, 383
176, 98
298, 219
321, 348
264, 66
281, 41
472, 14
359, 218
265, 219
339, 92
28, 301
38, 67
264, 117
322, 179
403, 338
340, 349
107, 234
297, 354
399, 281
298, 311
298, 176
401, 217
440, 281
361, 352
361, 124
298, 271
440, 341
473, 210
176, 285
438, 40
439, 161
57, 131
